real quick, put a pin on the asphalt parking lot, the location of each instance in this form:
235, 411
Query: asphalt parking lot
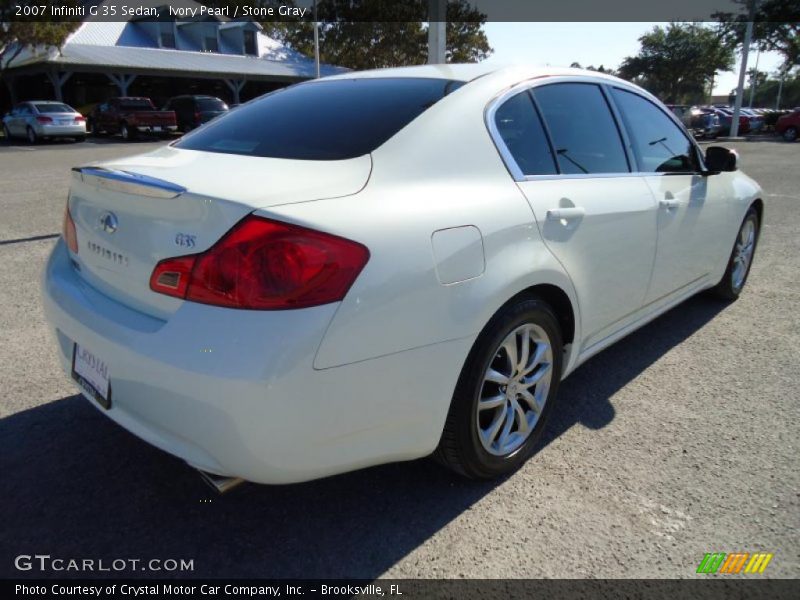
679, 440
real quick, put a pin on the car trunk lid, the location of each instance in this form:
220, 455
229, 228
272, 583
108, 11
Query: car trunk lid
131, 213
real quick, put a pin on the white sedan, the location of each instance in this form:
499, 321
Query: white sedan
383, 265
38, 120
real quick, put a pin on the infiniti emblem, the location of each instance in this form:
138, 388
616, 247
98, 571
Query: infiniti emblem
109, 222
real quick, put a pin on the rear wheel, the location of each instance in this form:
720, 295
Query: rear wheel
6, 133
31, 136
741, 259
127, 133
505, 393
790, 135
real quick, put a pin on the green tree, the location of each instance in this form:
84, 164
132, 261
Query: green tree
16, 36
766, 93
776, 27
677, 62
369, 34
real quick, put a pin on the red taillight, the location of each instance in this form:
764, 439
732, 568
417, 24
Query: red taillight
265, 264
42, 119
68, 232
80, 119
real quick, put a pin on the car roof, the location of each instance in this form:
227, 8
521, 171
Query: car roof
469, 71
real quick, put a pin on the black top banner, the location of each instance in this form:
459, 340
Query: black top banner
784, 11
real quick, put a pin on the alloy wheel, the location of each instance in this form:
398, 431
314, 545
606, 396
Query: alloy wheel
743, 253
514, 390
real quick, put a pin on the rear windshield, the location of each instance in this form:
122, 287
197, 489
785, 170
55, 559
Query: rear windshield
325, 120
210, 104
54, 108
136, 105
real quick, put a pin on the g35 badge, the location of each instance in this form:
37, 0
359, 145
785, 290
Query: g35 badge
185, 240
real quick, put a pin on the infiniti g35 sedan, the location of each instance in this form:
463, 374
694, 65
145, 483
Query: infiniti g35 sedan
384, 265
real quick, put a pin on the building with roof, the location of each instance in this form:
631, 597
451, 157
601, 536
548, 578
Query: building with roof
159, 57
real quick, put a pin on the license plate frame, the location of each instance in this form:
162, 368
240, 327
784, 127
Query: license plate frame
84, 374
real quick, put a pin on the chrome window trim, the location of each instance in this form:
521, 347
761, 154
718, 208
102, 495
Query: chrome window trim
605, 84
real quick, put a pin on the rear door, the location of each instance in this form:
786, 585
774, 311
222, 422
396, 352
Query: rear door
692, 219
596, 217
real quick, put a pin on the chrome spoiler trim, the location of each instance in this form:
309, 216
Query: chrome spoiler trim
125, 181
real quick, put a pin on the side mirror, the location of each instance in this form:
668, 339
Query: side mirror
721, 159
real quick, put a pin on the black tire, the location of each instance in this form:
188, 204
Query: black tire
460, 448
790, 135
6, 134
727, 288
30, 135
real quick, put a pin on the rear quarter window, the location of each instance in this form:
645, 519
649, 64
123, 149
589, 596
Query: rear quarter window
325, 120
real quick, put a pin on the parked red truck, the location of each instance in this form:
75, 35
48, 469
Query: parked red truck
130, 116
789, 125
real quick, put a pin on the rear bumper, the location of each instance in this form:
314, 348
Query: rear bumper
155, 128
235, 392
61, 130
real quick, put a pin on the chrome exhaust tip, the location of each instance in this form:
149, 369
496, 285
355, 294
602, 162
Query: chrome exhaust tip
220, 483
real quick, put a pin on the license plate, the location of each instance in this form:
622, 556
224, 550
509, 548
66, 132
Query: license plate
157, 128
66, 121
91, 373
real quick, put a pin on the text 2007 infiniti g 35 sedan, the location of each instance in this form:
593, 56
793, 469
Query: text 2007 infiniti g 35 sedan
382, 265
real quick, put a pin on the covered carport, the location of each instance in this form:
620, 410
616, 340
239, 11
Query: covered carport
84, 74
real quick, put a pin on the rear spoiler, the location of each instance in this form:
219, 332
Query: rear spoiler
125, 181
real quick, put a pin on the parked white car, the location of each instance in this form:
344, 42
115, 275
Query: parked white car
382, 265
44, 119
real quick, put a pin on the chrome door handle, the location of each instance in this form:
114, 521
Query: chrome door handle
556, 214
669, 204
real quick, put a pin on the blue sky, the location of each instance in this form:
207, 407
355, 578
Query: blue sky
560, 44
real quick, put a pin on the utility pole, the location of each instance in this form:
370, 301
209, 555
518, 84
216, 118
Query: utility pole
748, 37
437, 32
754, 80
780, 88
316, 39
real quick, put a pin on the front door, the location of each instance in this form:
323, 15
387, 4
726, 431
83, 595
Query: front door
691, 221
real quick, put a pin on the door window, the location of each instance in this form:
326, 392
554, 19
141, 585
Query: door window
584, 133
521, 129
659, 143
